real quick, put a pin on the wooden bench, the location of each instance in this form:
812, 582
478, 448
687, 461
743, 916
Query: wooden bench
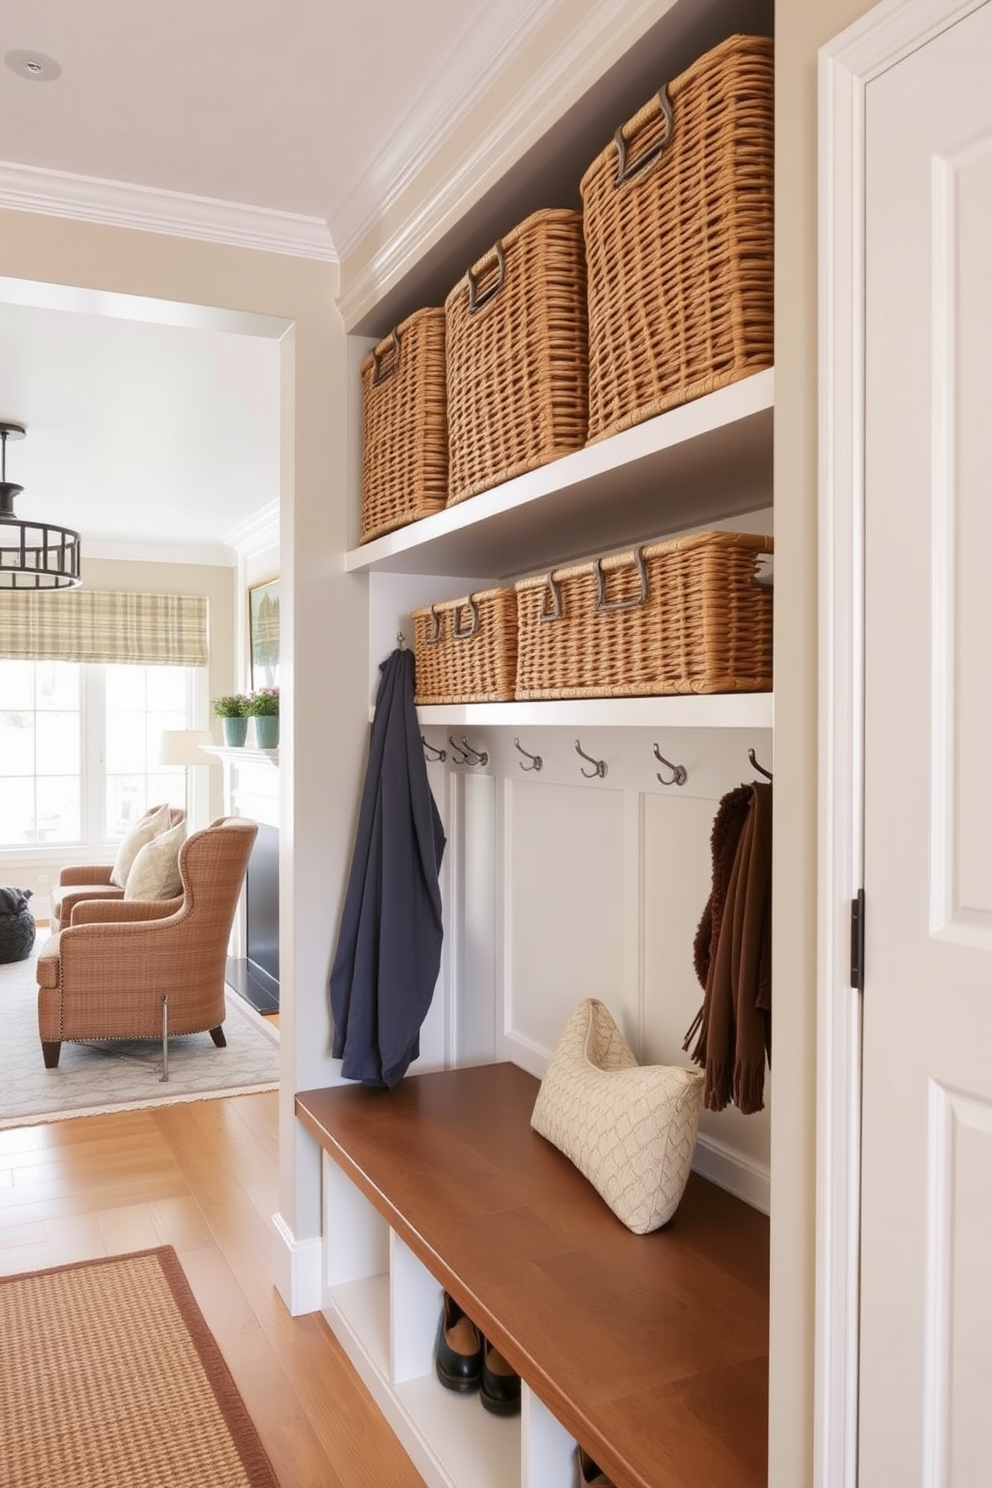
650, 1350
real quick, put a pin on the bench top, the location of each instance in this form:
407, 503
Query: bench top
651, 1350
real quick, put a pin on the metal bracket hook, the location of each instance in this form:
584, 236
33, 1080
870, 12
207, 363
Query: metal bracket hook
760, 768
538, 763
431, 750
599, 765
679, 772
466, 755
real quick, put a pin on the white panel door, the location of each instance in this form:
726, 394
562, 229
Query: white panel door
926, 1341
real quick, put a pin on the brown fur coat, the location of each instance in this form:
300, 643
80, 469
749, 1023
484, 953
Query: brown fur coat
732, 954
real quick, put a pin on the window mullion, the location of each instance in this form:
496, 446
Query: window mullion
94, 802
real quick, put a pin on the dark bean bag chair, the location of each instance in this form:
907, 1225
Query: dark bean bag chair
16, 925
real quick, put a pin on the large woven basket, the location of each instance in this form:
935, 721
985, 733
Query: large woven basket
676, 617
516, 349
466, 649
678, 215
405, 448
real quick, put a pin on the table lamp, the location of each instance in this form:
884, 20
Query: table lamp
182, 747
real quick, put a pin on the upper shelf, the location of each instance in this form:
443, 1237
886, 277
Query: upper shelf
740, 710
700, 463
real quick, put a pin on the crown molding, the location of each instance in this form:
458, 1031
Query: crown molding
430, 124
592, 46
133, 550
117, 204
255, 533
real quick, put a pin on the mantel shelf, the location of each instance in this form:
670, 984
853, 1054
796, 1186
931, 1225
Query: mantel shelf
743, 710
243, 754
711, 456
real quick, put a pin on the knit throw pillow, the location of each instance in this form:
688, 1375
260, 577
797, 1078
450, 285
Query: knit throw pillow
629, 1128
141, 833
155, 871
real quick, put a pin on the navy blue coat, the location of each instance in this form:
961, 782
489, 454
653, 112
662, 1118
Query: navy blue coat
389, 944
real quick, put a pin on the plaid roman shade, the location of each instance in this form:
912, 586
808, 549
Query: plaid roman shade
90, 625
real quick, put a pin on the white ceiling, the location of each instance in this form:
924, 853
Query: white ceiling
305, 110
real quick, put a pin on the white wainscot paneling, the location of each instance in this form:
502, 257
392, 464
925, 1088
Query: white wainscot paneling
441, 1018
732, 1149
474, 1010
563, 887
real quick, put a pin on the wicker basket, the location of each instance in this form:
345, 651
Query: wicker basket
678, 215
405, 449
516, 347
679, 616
466, 649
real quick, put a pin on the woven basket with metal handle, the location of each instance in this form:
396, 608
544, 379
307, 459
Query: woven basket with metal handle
516, 349
683, 616
678, 216
466, 649
405, 426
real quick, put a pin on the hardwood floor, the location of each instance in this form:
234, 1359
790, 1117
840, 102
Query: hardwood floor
202, 1178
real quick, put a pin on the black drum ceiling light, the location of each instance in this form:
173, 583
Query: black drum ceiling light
33, 555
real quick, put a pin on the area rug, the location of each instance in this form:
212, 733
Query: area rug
94, 1078
109, 1376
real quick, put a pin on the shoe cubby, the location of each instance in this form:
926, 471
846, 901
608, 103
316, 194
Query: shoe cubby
383, 1305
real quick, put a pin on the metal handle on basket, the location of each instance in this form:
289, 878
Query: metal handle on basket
457, 630
478, 297
604, 605
627, 169
391, 344
435, 635
555, 592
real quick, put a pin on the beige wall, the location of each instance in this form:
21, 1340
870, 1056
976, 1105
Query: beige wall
326, 719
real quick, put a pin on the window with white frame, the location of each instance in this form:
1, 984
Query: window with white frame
79, 747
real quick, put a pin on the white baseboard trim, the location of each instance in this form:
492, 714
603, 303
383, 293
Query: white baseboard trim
296, 1268
740, 1176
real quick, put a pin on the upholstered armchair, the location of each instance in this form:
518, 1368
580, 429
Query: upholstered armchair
93, 881
133, 968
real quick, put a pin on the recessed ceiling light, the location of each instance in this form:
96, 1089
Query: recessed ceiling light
33, 65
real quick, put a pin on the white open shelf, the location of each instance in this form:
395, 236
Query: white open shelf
704, 461
742, 710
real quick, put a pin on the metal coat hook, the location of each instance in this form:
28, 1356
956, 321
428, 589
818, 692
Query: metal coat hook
466, 755
431, 750
679, 772
538, 763
401, 640
600, 765
760, 768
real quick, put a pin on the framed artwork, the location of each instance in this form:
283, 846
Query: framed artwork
263, 634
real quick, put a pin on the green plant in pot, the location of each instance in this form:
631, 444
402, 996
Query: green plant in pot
232, 710
263, 707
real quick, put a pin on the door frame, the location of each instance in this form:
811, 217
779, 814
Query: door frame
847, 64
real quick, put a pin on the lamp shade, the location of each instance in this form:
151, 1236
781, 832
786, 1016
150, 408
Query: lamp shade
182, 747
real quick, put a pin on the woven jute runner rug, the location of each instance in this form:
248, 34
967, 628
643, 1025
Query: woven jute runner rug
110, 1378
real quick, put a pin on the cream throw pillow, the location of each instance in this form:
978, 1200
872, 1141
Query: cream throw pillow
629, 1128
155, 871
141, 833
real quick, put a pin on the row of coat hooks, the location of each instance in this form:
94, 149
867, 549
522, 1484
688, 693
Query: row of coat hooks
464, 754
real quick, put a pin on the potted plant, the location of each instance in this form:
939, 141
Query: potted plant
263, 707
232, 710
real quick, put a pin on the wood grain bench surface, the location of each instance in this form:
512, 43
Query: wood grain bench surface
652, 1350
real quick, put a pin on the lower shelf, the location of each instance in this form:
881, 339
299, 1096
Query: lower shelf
452, 1440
